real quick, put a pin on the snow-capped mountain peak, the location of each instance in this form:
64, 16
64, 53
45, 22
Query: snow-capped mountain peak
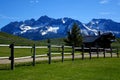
46, 27
49, 29
24, 28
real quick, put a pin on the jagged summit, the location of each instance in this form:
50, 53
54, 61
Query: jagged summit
46, 27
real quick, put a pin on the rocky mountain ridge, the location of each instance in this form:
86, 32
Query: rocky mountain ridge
46, 27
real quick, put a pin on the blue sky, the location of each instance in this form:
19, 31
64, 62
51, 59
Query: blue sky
83, 10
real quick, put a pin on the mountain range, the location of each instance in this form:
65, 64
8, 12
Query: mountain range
46, 27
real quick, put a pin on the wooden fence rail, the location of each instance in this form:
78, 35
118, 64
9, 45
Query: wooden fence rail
49, 54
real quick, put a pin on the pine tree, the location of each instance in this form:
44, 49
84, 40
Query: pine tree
74, 36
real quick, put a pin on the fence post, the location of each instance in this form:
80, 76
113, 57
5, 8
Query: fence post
12, 56
97, 52
104, 52
117, 53
49, 54
34, 53
90, 52
111, 51
62, 53
73, 52
82, 52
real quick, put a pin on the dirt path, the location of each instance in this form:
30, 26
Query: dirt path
5, 60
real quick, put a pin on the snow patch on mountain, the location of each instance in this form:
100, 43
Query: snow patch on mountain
93, 30
96, 22
24, 28
63, 21
49, 29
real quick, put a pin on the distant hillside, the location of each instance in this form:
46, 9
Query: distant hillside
8, 39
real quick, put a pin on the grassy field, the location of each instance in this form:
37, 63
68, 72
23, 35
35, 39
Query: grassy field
5, 51
95, 69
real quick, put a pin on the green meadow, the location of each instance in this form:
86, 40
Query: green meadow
94, 69
87, 69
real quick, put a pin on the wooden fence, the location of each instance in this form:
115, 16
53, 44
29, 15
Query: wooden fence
49, 54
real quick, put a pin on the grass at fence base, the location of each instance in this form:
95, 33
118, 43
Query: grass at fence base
94, 69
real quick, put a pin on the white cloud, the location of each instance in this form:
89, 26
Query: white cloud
104, 1
105, 13
34, 1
